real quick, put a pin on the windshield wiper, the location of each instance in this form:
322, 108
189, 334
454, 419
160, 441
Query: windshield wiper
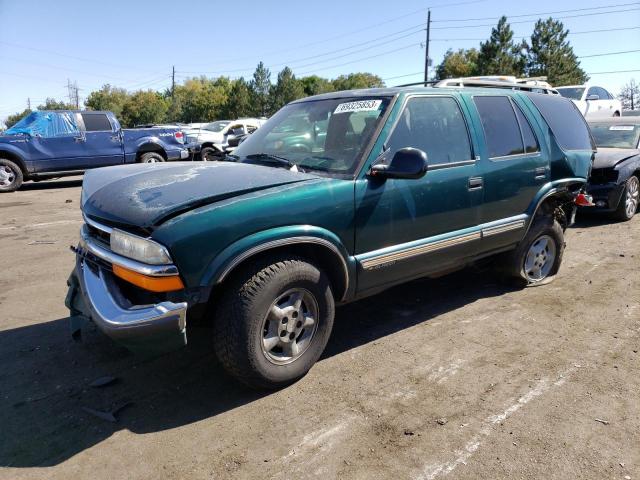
273, 159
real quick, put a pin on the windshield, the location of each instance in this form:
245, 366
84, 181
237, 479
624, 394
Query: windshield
215, 126
574, 93
321, 135
615, 136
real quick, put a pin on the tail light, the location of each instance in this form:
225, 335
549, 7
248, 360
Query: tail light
179, 136
583, 200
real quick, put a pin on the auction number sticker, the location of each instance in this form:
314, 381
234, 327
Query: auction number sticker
625, 128
358, 106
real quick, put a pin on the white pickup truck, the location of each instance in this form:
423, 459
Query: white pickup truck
214, 137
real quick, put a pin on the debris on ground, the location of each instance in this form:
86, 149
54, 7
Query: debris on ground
441, 421
604, 422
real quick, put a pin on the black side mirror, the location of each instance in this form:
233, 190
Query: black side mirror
407, 163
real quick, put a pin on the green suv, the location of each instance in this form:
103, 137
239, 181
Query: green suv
393, 184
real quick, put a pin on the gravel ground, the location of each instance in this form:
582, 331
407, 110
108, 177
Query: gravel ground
458, 377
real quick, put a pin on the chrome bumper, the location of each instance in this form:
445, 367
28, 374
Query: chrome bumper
147, 329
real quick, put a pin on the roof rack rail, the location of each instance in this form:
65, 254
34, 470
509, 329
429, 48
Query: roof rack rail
429, 82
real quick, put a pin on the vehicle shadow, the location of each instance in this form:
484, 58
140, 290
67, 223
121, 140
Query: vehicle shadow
46, 376
48, 184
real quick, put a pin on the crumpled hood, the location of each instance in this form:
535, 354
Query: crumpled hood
144, 195
610, 157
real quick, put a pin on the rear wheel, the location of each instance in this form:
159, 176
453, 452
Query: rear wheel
273, 321
628, 205
151, 157
10, 176
537, 258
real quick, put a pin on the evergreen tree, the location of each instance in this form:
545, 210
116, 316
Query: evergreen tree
551, 55
239, 101
500, 55
463, 63
286, 89
260, 87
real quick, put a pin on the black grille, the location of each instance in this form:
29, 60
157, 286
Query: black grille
101, 236
603, 175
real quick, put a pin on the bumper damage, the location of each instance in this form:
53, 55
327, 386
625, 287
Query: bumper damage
149, 329
606, 196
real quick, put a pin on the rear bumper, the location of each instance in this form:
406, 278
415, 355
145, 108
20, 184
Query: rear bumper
606, 196
94, 294
180, 154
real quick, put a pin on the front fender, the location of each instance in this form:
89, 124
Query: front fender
16, 155
245, 248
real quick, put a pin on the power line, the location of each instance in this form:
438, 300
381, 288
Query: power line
603, 30
608, 53
536, 14
529, 21
614, 71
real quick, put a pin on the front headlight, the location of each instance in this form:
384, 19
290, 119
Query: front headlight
138, 248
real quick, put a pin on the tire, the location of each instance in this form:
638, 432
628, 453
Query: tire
616, 114
537, 258
11, 176
151, 157
209, 154
259, 321
628, 204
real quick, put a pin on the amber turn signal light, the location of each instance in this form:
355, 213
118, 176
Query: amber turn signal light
153, 284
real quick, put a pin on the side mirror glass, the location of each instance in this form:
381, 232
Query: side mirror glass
593, 97
407, 163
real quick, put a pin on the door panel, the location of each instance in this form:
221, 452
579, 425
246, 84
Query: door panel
57, 154
407, 228
103, 141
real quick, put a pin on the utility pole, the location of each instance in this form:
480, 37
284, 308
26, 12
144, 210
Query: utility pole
173, 91
29, 103
426, 49
74, 97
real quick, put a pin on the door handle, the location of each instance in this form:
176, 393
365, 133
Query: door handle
79, 139
476, 183
541, 173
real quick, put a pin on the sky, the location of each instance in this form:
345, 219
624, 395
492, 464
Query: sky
135, 44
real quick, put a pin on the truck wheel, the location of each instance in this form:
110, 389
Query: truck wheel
628, 204
537, 258
274, 321
209, 154
151, 157
10, 176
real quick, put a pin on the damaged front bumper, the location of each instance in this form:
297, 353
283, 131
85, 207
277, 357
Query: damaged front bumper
606, 196
94, 295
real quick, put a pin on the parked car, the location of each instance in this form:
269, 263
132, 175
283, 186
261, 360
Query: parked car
214, 137
407, 182
615, 178
51, 144
534, 85
593, 102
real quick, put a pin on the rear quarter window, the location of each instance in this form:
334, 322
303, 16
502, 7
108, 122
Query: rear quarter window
565, 121
96, 122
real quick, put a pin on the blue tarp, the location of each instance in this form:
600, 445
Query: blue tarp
45, 124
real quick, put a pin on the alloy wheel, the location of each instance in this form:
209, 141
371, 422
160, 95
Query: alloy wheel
540, 258
631, 197
7, 176
289, 326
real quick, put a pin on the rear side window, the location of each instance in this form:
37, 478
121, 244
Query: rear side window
96, 122
501, 129
530, 142
565, 121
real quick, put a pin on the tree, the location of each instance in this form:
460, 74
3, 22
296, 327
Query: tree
314, 85
260, 88
107, 98
500, 55
463, 63
16, 117
53, 104
239, 100
357, 80
144, 107
630, 95
286, 89
551, 55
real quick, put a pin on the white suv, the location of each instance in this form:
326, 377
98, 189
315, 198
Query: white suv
214, 137
592, 101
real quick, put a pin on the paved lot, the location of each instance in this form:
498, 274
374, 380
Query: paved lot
457, 377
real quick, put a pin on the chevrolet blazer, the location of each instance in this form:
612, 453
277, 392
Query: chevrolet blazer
398, 183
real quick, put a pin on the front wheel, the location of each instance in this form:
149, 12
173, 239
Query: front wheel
273, 322
628, 205
10, 176
209, 154
537, 258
